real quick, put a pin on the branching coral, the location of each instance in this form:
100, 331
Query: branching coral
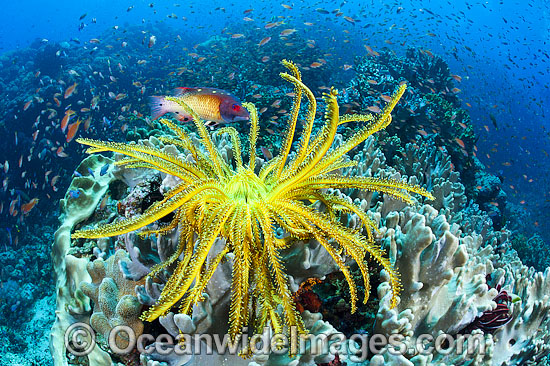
215, 198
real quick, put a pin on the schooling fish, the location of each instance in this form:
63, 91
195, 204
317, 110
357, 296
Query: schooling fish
27, 207
214, 105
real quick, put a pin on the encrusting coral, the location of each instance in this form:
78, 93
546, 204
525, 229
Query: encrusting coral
215, 199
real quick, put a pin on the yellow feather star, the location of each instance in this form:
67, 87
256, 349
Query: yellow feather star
217, 199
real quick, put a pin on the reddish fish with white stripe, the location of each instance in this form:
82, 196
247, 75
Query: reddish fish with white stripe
212, 105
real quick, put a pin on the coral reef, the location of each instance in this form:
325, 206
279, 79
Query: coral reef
453, 280
431, 109
433, 118
464, 258
533, 251
460, 274
222, 196
27, 303
451, 274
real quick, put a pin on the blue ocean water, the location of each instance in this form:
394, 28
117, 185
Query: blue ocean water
499, 51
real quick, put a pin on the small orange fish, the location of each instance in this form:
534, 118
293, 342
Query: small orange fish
455, 90
385, 98
54, 180
264, 41
457, 78
72, 130
66, 118
315, 64
61, 153
69, 91
460, 142
372, 82
287, 32
276, 103
104, 202
27, 105
265, 58
266, 153
57, 102
87, 123
371, 51
27, 207
374, 109
237, 35
12, 209
349, 19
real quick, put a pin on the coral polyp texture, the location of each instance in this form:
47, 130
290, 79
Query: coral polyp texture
245, 204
